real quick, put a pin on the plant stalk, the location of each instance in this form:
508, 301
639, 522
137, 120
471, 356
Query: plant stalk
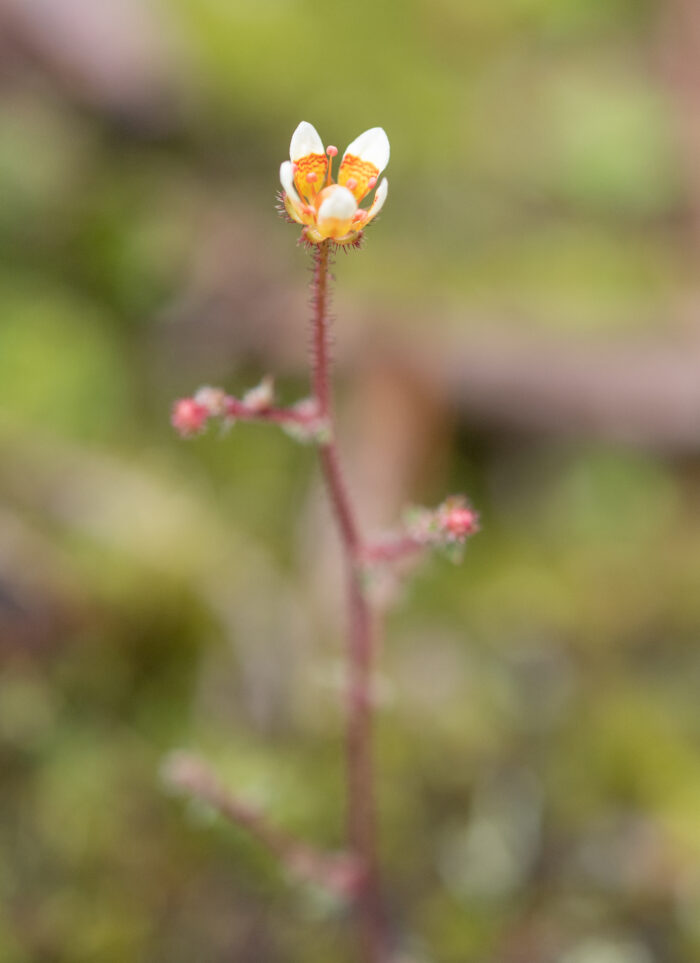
361, 812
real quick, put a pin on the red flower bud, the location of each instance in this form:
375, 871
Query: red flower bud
189, 417
457, 519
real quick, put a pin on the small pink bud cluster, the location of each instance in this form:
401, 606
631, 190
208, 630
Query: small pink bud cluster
302, 421
452, 521
189, 417
446, 527
456, 519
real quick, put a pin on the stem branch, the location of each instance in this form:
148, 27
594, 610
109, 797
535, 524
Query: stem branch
336, 871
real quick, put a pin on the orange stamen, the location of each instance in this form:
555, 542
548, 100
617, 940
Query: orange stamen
332, 152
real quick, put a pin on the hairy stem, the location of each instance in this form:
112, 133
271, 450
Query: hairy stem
361, 814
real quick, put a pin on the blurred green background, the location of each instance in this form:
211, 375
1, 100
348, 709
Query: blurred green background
522, 325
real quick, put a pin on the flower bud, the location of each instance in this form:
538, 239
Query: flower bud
457, 520
188, 417
213, 399
262, 396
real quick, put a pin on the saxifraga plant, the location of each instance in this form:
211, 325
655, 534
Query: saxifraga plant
331, 217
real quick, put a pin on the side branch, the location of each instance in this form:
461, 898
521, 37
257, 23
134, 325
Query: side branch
334, 872
190, 416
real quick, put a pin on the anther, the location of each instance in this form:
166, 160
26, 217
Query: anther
331, 150
311, 177
351, 183
371, 182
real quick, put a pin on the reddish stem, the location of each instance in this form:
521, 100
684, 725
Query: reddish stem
361, 812
335, 871
394, 548
279, 416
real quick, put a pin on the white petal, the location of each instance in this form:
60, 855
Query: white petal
379, 197
287, 180
305, 140
340, 205
372, 146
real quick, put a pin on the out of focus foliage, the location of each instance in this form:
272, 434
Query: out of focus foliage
540, 740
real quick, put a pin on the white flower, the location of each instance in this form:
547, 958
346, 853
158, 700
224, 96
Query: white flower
331, 211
